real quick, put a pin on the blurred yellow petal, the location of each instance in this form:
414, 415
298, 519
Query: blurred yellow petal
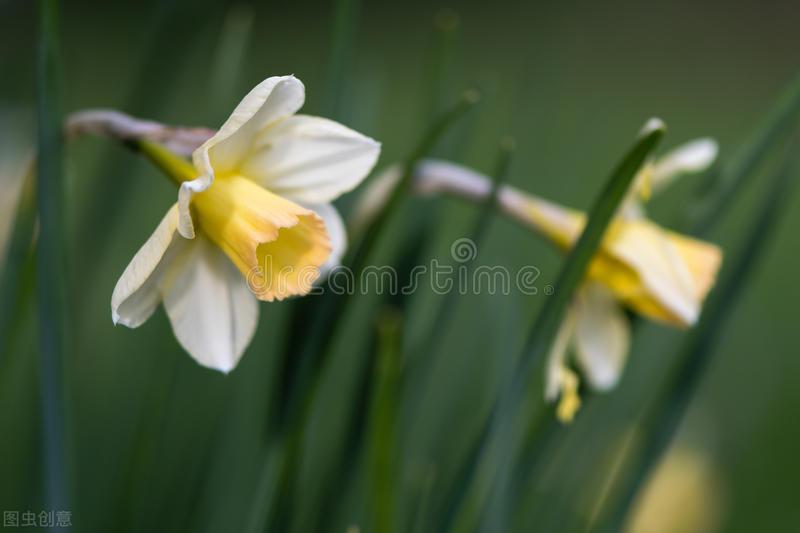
643, 183
703, 260
570, 400
276, 244
561, 225
685, 494
665, 282
645, 266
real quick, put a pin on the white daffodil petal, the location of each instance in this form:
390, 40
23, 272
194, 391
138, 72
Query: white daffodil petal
692, 157
602, 336
269, 101
212, 311
374, 196
336, 232
556, 359
136, 294
310, 159
185, 193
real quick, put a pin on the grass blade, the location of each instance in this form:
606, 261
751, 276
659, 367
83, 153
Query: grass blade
777, 125
229, 57
446, 26
345, 23
49, 284
519, 400
383, 425
661, 420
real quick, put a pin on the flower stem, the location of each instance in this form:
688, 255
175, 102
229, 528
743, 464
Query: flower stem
176, 168
438, 328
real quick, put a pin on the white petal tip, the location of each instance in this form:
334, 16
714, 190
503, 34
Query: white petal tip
698, 155
604, 381
186, 231
122, 321
654, 124
691, 317
223, 368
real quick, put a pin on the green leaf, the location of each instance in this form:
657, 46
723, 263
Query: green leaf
662, 416
443, 48
382, 453
345, 22
777, 126
231, 51
520, 400
49, 280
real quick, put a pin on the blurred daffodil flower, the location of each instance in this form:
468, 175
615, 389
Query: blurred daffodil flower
253, 222
655, 272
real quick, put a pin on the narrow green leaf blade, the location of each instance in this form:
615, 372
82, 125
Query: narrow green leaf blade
49, 281
777, 126
520, 399
345, 22
384, 407
662, 417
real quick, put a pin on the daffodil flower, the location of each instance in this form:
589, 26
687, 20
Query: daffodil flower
659, 274
253, 221
655, 272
